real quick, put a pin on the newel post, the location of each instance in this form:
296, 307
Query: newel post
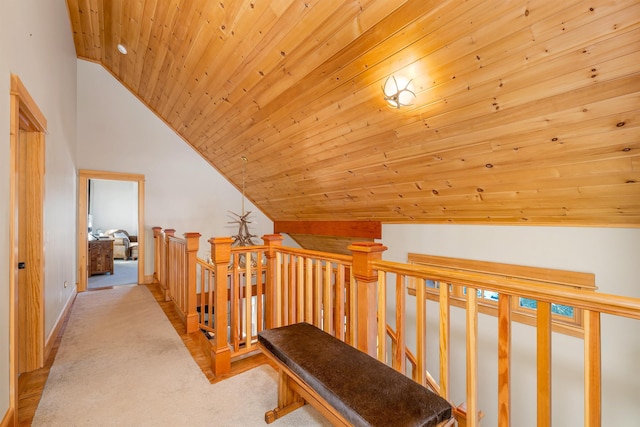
273, 243
221, 255
193, 244
367, 299
156, 253
168, 234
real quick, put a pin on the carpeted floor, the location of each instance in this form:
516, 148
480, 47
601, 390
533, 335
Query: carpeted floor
121, 363
125, 272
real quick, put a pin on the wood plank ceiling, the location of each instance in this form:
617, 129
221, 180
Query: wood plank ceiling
526, 112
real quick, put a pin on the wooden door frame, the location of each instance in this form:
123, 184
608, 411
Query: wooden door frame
83, 210
27, 123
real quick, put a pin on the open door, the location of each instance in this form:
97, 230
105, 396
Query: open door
83, 209
26, 234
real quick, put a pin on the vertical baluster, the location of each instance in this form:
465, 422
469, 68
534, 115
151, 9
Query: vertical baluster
279, 302
248, 298
472, 357
234, 291
382, 316
181, 277
170, 271
592, 369
259, 292
339, 304
421, 332
347, 304
300, 289
157, 235
175, 265
284, 280
168, 233
210, 297
353, 309
326, 298
445, 335
544, 362
308, 291
318, 294
504, 360
291, 290
399, 362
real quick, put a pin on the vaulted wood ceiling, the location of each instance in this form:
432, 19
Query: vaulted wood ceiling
526, 112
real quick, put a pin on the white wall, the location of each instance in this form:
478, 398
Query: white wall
117, 133
613, 255
36, 44
114, 205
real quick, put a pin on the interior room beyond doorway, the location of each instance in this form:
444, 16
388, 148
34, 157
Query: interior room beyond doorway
112, 225
110, 229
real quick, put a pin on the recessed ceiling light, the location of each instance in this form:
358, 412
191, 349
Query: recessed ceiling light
122, 49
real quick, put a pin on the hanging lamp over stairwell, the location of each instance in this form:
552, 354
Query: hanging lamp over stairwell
244, 236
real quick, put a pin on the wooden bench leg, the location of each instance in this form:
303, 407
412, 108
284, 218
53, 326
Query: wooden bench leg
288, 399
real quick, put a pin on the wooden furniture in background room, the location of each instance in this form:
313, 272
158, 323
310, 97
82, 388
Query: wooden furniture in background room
100, 256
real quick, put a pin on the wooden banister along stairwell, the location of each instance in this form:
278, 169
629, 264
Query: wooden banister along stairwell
346, 296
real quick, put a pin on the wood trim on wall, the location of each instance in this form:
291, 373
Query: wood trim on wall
30, 198
364, 229
28, 126
83, 178
8, 419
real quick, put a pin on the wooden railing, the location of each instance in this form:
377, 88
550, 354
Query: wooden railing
591, 303
268, 286
175, 272
245, 289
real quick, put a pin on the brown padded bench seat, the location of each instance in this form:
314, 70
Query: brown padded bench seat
365, 391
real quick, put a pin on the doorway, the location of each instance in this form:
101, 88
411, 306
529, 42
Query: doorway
84, 178
113, 232
28, 127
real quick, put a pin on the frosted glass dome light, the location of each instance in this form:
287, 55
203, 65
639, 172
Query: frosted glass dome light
398, 91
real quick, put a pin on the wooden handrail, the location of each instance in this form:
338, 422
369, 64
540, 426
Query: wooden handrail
588, 300
328, 256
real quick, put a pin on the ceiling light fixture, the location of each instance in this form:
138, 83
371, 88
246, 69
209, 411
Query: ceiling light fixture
122, 49
398, 91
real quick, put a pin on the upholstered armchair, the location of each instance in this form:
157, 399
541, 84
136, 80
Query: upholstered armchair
123, 244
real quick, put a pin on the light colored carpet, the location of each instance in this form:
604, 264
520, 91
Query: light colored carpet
121, 363
125, 272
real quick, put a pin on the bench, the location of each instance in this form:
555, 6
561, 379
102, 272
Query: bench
349, 387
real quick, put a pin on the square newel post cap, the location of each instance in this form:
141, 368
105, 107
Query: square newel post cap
193, 240
273, 239
221, 249
363, 253
367, 247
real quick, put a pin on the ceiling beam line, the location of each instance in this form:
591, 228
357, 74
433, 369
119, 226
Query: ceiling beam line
364, 229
